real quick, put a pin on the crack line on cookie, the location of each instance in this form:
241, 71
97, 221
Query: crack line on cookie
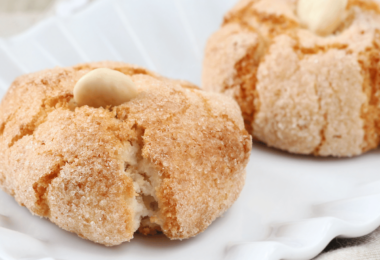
246, 79
364, 5
48, 106
277, 23
7, 120
225, 117
369, 62
41, 188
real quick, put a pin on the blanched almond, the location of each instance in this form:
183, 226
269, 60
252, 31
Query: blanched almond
104, 87
321, 16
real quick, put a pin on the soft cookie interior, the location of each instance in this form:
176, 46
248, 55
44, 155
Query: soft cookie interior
145, 181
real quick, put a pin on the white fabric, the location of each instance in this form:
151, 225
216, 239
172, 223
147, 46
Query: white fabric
17, 16
364, 248
11, 24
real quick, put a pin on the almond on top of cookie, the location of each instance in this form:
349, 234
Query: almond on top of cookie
304, 86
166, 157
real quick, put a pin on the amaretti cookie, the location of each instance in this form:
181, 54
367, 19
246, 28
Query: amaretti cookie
305, 73
171, 159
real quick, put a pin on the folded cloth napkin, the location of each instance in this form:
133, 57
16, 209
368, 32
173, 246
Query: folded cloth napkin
363, 248
17, 16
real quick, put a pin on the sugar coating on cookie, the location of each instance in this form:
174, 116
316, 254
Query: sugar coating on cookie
172, 159
298, 91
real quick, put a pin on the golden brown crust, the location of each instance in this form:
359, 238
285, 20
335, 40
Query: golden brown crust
194, 128
67, 165
298, 91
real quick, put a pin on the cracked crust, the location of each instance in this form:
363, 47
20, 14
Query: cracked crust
298, 91
67, 165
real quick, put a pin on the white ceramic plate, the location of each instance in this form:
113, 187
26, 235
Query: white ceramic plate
291, 206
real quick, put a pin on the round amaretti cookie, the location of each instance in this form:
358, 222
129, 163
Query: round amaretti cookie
299, 91
172, 159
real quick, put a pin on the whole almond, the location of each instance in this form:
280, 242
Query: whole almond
104, 87
322, 17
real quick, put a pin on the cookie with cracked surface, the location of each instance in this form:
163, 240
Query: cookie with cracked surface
298, 91
104, 173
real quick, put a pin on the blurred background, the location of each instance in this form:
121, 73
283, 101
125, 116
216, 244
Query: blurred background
18, 15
